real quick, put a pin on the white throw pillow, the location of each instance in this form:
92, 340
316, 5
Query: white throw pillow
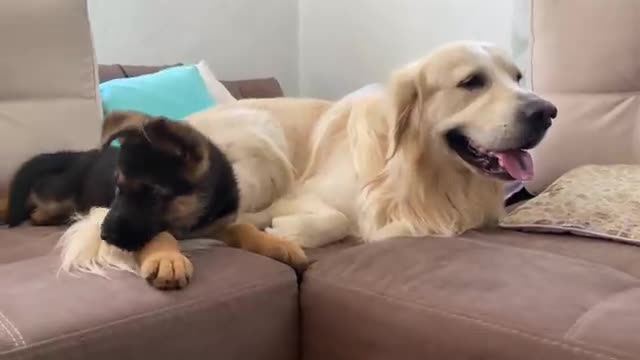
365, 90
218, 91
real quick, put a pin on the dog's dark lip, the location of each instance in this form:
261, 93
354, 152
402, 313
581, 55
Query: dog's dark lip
482, 160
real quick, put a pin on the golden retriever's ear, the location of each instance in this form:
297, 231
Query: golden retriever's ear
122, 123
406, 95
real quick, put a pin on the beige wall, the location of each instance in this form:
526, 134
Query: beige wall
323, 48
345, 44
238, 38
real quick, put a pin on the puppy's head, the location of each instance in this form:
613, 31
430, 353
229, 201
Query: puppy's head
464, 101
160, 164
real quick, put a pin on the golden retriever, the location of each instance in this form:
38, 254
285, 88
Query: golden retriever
426, 156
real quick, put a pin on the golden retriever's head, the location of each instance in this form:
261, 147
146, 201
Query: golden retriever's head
465, 98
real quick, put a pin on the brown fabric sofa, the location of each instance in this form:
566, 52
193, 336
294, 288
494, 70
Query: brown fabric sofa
485, 295
504, 294
493, 295
242, 306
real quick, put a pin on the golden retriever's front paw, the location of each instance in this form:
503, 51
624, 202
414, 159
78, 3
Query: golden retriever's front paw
167, 270
248, 237
290, 253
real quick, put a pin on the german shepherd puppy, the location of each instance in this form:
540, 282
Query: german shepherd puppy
166, 177
50, 188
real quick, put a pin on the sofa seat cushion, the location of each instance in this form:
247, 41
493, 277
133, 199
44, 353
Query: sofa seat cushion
500, 295
25, 242
239, 306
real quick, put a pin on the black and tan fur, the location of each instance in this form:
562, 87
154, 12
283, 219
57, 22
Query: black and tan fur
167, 181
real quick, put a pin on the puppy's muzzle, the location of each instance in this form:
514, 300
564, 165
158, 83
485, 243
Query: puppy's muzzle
122, 234
108, 235
535, 114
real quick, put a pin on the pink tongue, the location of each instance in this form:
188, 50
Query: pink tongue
518, 163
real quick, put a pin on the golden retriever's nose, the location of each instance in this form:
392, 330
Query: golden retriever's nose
538, 113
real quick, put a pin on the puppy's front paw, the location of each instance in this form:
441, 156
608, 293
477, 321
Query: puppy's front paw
168, 270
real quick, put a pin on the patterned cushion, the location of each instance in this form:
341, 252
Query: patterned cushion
594, 200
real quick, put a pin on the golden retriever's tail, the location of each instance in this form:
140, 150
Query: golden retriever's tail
82, 248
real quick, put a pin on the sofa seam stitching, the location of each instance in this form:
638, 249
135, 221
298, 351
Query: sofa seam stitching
481, 322
184, 306
587, 315
123, 71
601, 266
15, 342
14, 328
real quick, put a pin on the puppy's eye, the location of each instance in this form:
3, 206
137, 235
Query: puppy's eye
518, 77
473, 82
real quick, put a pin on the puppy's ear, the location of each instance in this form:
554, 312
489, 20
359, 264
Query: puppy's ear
404, 89
162, 134
119, 124
181, 140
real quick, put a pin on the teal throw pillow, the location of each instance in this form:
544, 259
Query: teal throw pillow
175, 92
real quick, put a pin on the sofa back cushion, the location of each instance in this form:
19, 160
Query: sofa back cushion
585, 58
239, 89
48, 81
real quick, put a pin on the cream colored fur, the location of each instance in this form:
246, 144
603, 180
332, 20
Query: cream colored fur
379, 165
81, 251
259, 152
375, 166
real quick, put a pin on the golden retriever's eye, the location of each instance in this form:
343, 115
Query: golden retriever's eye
518, 76
473, 82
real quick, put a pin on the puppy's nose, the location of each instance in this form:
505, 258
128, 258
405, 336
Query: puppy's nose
106, 235
539, 113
